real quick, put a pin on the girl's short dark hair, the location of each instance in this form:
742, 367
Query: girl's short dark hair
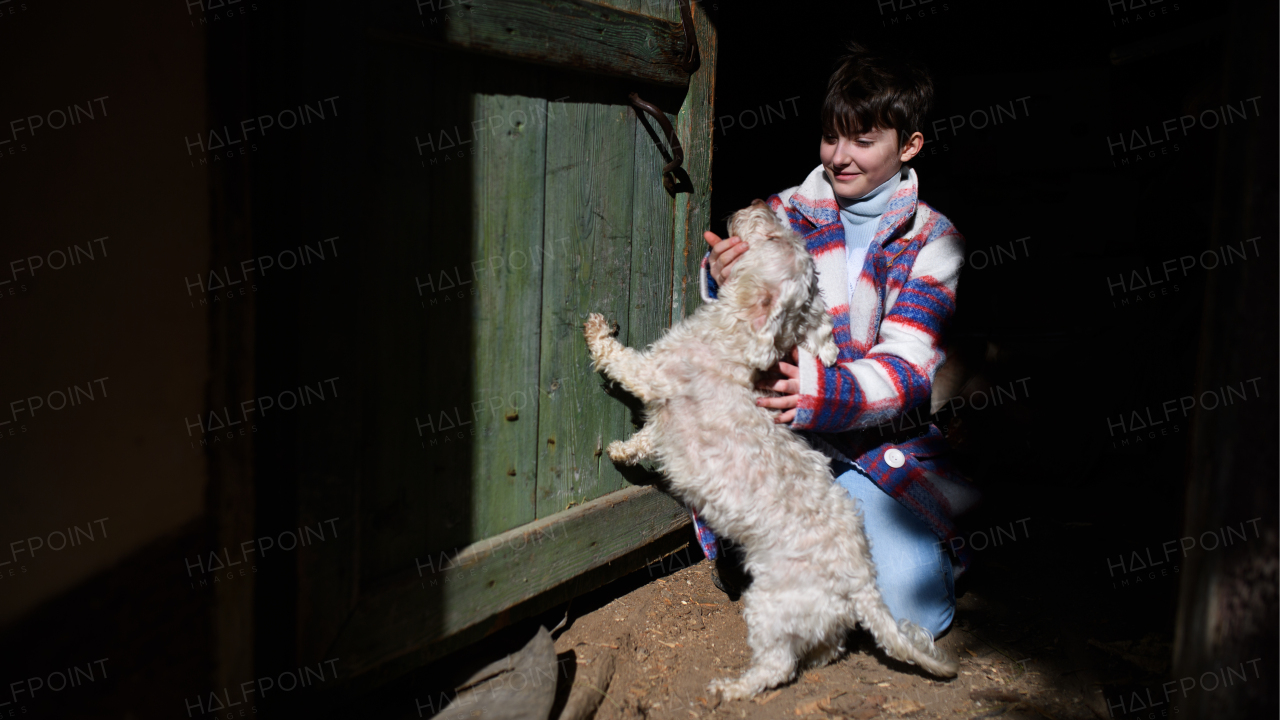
870, 90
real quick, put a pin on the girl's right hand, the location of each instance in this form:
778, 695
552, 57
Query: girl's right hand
724, 253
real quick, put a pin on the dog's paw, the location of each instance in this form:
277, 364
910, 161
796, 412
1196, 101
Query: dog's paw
619, 452
596, 328
731, 689
716, 688
596, 325
828, 353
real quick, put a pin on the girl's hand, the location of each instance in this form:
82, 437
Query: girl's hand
784, 378
723, 254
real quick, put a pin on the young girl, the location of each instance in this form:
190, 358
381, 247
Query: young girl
887, 269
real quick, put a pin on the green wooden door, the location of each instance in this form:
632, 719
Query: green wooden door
511, 191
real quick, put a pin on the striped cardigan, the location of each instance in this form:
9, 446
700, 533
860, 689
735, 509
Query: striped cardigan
888, 335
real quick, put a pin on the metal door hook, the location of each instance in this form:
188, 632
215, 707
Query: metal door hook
677, 152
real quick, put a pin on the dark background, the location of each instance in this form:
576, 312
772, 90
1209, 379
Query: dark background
1072, 213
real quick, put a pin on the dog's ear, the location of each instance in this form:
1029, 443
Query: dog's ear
762, 309
766, 319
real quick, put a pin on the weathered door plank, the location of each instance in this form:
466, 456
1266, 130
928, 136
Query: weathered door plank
510, 160
587, 241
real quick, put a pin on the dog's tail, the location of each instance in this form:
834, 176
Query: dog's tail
904, 640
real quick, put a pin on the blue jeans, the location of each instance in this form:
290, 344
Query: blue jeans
913, 571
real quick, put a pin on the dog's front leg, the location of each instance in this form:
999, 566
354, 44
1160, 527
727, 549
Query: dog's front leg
634, 449
616, 360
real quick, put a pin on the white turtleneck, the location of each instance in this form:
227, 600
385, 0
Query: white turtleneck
861, 217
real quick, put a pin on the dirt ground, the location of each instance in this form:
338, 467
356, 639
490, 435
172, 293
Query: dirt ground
653, 650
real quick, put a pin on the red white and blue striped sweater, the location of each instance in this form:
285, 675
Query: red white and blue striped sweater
889, 338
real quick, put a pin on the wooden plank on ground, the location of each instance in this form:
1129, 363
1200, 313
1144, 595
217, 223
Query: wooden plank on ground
495, 574
587, 251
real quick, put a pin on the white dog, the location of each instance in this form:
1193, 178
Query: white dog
754, 480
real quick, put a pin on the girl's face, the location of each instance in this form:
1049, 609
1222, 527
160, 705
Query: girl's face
862, 163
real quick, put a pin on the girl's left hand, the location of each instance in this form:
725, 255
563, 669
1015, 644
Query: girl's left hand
784, 378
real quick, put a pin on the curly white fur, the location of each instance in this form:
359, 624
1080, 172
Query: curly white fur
754, 480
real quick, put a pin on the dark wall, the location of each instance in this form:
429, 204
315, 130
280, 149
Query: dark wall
118, 327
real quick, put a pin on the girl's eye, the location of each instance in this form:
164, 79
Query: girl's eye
865, 143
829, 138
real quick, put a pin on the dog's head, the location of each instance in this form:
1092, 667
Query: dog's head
774, 287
